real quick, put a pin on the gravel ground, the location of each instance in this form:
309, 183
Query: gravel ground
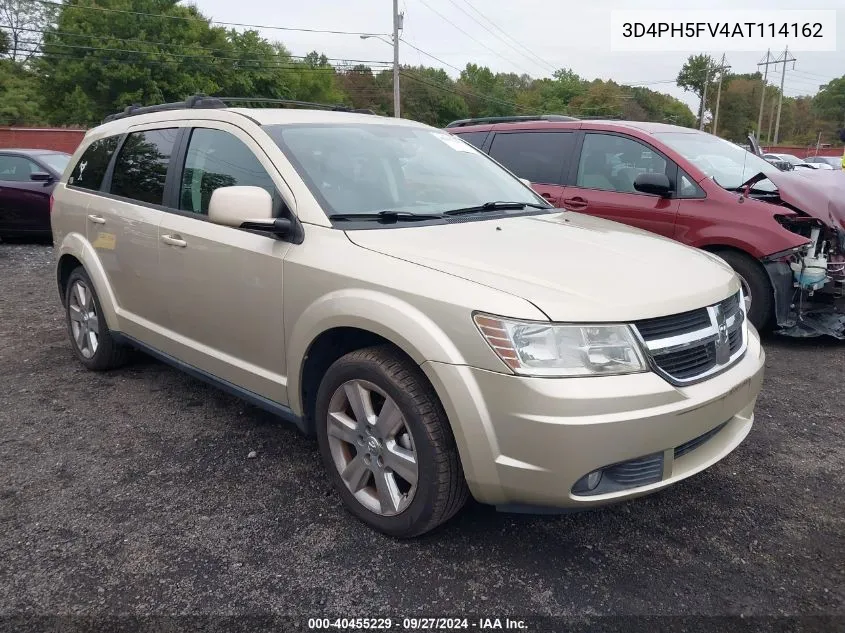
130, 493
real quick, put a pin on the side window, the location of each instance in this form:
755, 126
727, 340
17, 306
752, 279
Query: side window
474, 138
89, 171
218, 159
612, 163
540, 157
687, 187
141, 166
16, 168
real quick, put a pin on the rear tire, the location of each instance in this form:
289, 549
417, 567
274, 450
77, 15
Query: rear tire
756, 282
90, 337
398, 414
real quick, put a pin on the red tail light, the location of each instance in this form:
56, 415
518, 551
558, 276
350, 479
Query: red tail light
51, 203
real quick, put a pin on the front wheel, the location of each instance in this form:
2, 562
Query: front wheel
387, 444
759, 296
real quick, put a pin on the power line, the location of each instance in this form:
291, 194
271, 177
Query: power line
197, 18
184, 46
458, 92
494, 25
455, 26
437, 59
496, 35
158, 53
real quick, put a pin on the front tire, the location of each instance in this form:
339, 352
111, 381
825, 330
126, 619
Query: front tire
756, 287
90, 337
387, 444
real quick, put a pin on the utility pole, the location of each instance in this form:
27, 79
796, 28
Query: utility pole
771, 122
704, 95
722, 68
783, 58
397, 25
763, 97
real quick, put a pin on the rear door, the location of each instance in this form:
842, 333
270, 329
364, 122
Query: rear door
24, 203
540, 156
603, 183
123, 225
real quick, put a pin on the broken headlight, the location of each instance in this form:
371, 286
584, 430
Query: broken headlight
549, 349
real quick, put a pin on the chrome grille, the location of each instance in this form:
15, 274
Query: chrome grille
694, 345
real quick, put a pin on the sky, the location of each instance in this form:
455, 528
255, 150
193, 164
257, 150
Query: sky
541, 35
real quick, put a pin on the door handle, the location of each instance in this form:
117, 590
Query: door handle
174, 240
97, 219
575, 204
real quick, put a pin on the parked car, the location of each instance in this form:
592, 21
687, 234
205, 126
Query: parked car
440, 327
27, 178
784, 235
792, 159
825, 162
783, 165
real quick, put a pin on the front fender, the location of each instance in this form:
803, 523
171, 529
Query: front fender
76, 245
392, 318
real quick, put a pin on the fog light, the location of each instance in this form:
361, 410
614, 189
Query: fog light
588, 482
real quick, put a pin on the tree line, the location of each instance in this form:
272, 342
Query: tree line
74, 62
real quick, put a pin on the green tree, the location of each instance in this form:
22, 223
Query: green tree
829, 103
21, 22
21, 100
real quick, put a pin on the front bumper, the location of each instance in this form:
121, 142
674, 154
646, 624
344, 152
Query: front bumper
527, 441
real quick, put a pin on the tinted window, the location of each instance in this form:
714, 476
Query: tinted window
217, 159
611, 163
89, 171
474, 138
537, 156
16, 168
141, 166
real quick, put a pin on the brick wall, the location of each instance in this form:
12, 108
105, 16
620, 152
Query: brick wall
59, 139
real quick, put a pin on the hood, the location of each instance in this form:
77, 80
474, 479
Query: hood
817, 192
572, 267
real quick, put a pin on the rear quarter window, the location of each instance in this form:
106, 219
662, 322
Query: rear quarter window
474, 138
89, 171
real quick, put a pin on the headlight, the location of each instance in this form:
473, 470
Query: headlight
540, 349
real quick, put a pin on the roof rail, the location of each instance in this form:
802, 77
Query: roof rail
511, 119
201, 101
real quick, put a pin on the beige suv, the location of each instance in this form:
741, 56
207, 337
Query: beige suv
388, 288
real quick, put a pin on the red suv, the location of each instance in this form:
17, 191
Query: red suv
782, 232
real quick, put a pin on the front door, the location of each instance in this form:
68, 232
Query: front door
224, 286
604, 184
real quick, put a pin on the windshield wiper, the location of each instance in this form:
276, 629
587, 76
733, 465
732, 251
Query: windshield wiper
496, 206
386, 217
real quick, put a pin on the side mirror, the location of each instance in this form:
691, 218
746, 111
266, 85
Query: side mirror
246, 208
41, 176
656, 184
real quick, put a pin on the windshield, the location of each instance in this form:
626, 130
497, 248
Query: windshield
728, 164
56, 161
369, 168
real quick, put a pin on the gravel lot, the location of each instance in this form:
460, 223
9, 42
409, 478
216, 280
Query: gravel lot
130, 492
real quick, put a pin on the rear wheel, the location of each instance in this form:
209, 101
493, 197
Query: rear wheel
89, 335
759, 296
387, 444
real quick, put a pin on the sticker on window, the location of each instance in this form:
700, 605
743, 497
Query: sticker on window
455, 143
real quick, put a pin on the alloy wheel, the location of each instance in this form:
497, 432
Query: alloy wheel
372, 447
84, 321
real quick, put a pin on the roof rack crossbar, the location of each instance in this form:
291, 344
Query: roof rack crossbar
511, 119
200, 101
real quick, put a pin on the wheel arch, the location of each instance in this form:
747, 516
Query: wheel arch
341, 322
76, 251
